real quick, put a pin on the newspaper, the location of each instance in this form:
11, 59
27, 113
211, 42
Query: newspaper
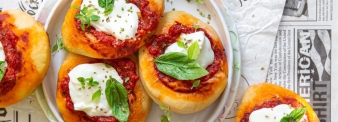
302, 56
27, 110
301, 59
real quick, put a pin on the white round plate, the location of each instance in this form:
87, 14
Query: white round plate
212, 113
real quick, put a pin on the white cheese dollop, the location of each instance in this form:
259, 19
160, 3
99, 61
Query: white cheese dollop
2, 58
121, 23
272, 114
206, 56
82, 98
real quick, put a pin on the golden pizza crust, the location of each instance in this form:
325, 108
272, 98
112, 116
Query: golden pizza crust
84, 43
139, 108
259, 93
177, 101
35, 55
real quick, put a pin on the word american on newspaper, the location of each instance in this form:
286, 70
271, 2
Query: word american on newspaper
301, 58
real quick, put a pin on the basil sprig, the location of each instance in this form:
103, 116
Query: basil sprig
58, 45
82, 81
96, 95
117, 98
86, 15
195, 84
90, 81
179, 66
294, 116
107, 5
2, 73
181, 44
165, 118
193, 50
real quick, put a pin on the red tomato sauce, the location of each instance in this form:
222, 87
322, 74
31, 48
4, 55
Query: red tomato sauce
13, 57
125, 67
272, 103
157, 45
147, 22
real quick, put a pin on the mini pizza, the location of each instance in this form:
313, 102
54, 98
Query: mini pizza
183, 66
101, 90
266, 102
24, 56
110, 29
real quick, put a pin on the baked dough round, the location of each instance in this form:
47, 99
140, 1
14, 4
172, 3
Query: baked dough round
139, 107
260, 93
182, 102
86, 43
29, 49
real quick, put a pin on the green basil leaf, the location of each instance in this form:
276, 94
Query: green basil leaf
298, 113
107, 65
162, 107
1, 74
284, 119
102, 3
179, 66
91, 82
90, 11
84, 10
199, 1
64, 48
89, 79
196, 27
194, 50
108, 10
2, 63
96, 95
78, 16
94, 83
294, 116
181, 44
83, 27
82, 81
164, 118
195, 84
107, 5
59, 45
94, 17
117, 98
58, 41
108, 92
110, 4
87, 21
76, 7
55, 48
169, 115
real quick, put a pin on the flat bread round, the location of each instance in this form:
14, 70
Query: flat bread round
88, 44
139, 106
257, 94
27, 54
189, 100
